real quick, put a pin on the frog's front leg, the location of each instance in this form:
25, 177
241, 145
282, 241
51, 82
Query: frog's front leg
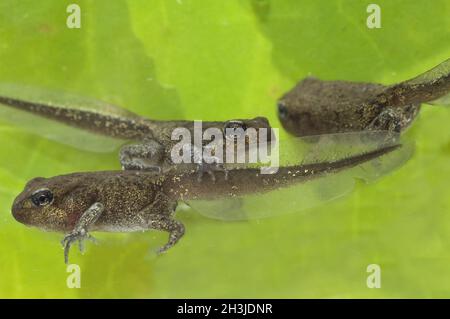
80, 232
390, 119
210, 168
146, 155
209, 163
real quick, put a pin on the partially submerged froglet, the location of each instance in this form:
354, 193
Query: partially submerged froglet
127, 201
314, 106
153, 150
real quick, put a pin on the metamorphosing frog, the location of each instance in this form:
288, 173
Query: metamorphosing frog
126, 201
314, 106
153, 152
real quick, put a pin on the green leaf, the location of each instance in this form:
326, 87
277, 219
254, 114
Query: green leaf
189, 59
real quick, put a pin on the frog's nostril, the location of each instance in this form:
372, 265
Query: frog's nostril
282, 110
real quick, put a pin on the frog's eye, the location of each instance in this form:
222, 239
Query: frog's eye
42, 197
235, 124
232, 128
282, 110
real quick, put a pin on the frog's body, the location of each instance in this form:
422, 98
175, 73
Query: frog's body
315, 107
153, 149
138, 200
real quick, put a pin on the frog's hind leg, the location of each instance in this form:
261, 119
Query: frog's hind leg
159, 216
170, 225
394, 119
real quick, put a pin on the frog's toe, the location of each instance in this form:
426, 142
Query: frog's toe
210, 169
81, 241
69, 239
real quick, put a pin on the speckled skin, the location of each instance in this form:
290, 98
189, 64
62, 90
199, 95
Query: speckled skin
124, 201
316, 107
153, 149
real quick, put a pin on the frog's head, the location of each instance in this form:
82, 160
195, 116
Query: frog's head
48, 203
300, 110
315, 107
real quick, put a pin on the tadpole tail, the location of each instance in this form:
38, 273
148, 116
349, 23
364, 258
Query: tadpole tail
298, 173
427, 87
112, 125
250, 180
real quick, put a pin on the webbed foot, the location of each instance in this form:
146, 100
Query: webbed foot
172, 226
80, 236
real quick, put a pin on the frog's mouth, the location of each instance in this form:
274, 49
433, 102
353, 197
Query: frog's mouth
296, 123
19, 212
23, 212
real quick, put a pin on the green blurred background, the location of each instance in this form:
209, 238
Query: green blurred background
215, 60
